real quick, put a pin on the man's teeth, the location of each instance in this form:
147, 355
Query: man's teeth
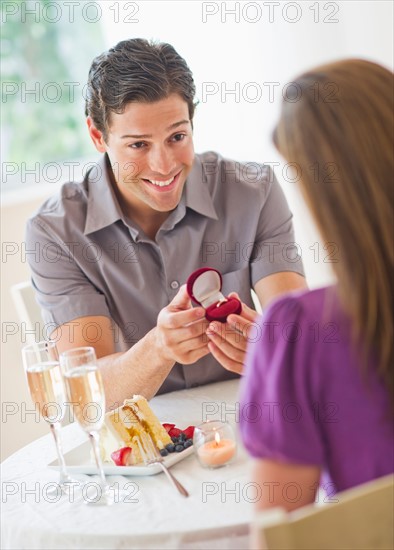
162, 183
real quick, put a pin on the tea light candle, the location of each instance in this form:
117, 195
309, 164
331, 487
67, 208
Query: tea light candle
214, 443
216, 452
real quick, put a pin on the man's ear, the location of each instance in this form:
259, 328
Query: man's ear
96, 136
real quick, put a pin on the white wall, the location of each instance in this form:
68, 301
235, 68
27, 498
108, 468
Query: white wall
225, 48
222, 53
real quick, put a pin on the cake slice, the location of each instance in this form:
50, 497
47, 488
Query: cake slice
124, 425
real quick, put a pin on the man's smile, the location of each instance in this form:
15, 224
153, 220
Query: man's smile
163, 185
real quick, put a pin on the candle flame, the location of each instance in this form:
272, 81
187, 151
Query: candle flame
217, 438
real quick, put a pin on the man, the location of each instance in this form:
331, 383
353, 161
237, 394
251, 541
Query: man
151, 212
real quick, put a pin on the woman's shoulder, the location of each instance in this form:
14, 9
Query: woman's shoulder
306, 304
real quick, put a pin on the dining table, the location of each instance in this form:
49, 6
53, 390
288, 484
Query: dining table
217, 513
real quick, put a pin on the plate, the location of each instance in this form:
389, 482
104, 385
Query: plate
78, 461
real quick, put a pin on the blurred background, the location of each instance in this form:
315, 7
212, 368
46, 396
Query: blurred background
243, 56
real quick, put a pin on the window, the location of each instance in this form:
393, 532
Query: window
46, 52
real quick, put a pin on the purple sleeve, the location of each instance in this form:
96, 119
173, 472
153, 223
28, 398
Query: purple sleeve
280, 387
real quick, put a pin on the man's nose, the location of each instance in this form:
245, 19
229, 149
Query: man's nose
161, 161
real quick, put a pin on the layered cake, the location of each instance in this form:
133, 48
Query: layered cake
129, 423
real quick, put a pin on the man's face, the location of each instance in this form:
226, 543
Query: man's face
150, 147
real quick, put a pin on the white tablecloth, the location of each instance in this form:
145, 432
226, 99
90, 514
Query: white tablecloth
216, 515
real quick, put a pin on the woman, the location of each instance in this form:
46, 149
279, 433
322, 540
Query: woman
320, 377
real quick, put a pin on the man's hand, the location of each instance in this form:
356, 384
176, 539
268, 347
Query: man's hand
180, 331
228, 341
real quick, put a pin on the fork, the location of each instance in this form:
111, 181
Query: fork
151, 455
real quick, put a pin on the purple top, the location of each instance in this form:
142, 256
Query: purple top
304, 399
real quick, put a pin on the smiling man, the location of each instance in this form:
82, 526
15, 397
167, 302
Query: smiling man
116, 249
154, 155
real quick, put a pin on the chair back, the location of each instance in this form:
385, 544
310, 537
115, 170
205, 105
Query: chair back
362, 517
29, 314
28, 311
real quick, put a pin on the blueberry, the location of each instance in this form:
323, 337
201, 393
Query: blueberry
170, 447
179, 448
163, 452
174, 439
188, 443
182, 438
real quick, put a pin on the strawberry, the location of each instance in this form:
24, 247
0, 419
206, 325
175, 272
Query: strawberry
168, 427
174, 432
121, 456
189, 431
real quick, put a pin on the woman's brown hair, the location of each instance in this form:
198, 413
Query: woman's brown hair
339, 133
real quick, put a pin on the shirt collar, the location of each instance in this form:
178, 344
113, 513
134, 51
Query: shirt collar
103, 208
197, 195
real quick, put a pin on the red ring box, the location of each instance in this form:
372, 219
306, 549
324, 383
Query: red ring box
204, 286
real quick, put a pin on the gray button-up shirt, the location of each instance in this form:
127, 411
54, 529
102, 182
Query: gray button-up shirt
89, 259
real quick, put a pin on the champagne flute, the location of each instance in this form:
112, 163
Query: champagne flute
41, 364
86, 393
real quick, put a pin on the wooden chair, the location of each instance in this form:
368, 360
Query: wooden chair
363, 518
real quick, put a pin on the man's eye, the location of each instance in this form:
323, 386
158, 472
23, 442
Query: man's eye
137, 145
178, 137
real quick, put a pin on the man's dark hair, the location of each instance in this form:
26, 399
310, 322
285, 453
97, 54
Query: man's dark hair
135, 70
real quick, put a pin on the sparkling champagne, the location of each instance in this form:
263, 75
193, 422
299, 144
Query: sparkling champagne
46, 390
86, 393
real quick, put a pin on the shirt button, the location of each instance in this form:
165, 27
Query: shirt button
174, 285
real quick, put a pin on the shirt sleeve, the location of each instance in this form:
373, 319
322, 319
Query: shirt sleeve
279, 388
275, 249
63, 291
